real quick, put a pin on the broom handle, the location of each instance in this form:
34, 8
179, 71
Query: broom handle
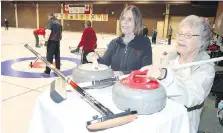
179, 67
93, 102
199, 62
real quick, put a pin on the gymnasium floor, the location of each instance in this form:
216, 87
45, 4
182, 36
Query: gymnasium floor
21, 85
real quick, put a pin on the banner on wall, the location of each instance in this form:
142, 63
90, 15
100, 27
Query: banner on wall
93, 17
219, 25
78, 9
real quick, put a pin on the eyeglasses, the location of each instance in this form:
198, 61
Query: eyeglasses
186, 35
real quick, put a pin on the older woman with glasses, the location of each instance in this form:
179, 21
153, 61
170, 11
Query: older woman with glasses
189, 86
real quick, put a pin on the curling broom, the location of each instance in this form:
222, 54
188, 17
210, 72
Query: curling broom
109, 119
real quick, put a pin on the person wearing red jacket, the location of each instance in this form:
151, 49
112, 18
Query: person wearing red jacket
88, 41
37, 32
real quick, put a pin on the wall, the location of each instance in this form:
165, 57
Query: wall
178, 13
110, 25
8, 12
26, 15
189, 9
220, 8
44, 10
219, 19
151, 14
174, 22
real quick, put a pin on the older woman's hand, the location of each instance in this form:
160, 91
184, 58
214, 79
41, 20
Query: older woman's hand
154, 72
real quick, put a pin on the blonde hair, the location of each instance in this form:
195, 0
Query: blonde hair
137, 16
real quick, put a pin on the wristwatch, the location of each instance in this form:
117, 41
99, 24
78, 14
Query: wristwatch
164, 73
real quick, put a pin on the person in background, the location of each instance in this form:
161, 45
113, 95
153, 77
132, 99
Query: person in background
88, 41
36, 34
6, 24
170, 31
154, 35
131, 50
52, 41
145, 31
188, 86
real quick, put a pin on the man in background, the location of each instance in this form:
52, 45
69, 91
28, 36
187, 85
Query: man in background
145, 31
52, 41
170, 31
6, 24
88, 41
154, 35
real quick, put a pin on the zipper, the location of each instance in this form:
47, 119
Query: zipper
126, 48
125, 55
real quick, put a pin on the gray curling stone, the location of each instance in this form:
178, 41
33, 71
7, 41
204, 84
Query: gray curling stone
87, 72
140, 94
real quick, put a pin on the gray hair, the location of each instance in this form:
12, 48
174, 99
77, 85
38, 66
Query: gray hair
51, 14
137, 16
202, 27
88, 23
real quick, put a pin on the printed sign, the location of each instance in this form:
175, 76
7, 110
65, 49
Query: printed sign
76, 8
93, 17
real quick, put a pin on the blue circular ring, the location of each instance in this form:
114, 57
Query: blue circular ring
6, 69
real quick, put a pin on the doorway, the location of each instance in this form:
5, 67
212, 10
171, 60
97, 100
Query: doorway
160, 25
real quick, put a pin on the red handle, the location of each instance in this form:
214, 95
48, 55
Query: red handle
74, 85
136, 82
134, 73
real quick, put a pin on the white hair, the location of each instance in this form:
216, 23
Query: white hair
202, 27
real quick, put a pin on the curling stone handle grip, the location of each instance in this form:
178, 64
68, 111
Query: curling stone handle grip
95, 61
136, 72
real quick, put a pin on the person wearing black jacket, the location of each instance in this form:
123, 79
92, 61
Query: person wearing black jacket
145, 31
154, 35
131, 50
6, 24
52, 41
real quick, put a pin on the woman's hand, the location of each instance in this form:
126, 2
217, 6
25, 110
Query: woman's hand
91, 56
154, 72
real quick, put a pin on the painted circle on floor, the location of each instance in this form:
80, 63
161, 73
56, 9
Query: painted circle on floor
7, 70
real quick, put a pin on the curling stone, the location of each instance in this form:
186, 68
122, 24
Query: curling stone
87, 72
139, 93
